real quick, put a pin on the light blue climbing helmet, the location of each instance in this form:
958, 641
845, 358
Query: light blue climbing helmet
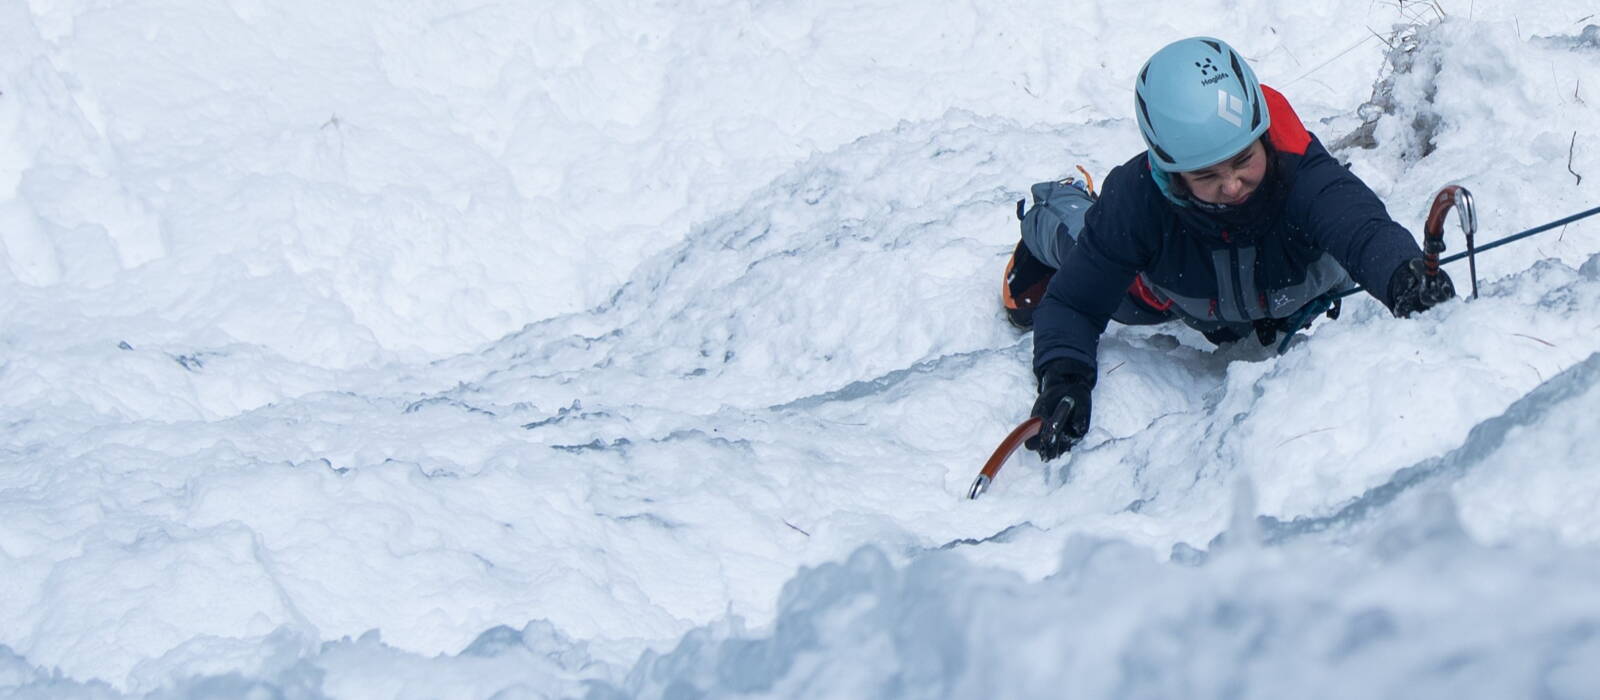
1198, 103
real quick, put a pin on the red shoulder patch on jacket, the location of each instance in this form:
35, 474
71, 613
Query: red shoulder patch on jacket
1287, 132
1143, 293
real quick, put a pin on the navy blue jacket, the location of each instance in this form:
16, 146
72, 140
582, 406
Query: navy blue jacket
1311, 227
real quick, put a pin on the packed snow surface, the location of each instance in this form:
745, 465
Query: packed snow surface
626, 349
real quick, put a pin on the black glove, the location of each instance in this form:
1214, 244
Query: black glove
1413, 290
1063, 404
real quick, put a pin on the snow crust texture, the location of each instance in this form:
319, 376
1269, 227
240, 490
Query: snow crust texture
618, 349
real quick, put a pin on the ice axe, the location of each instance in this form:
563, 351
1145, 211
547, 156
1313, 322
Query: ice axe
1457, 197
1451, 197
1019, 435
1433, 230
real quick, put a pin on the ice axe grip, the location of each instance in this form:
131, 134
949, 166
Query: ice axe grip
1460, 199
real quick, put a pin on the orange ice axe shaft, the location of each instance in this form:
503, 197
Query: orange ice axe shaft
1028, 429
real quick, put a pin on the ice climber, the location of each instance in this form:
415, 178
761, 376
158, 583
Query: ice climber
1236, 221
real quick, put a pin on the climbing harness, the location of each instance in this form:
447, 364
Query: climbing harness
1329, 303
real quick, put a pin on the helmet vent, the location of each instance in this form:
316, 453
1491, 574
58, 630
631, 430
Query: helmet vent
1197, 103
1163, 154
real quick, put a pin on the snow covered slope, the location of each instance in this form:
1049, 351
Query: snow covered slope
623, 349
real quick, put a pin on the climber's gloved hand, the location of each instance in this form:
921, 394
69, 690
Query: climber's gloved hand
1063, 406
1413, 291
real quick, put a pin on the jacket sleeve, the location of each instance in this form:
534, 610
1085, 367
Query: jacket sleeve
1344, 217
1094, 278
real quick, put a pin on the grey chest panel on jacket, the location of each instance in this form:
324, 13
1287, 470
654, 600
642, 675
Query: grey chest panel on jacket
1239, 298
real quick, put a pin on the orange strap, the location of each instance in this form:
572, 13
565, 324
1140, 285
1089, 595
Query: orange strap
1088, 180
